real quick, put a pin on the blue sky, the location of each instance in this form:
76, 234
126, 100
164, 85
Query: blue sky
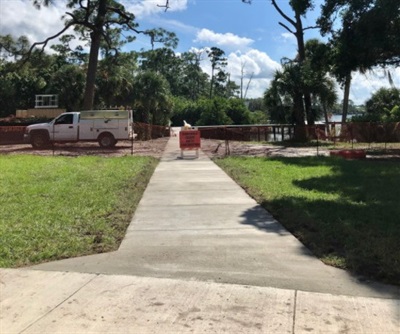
249, 34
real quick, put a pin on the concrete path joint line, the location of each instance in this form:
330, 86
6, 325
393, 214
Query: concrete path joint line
294, 312
60, 303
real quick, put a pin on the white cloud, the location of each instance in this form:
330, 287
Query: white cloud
364, 85
256, 65
227, 40
19, 17
288, 37
175, 26
145, 8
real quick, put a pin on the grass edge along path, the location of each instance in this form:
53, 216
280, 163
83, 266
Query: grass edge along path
59, 207
346, 212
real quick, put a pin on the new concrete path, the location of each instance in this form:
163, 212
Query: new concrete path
195, 229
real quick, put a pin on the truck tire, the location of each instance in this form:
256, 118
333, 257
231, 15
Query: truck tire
107, 140
39, 140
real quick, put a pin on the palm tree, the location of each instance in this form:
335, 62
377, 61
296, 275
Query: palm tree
152, 98
285, 90
327, 96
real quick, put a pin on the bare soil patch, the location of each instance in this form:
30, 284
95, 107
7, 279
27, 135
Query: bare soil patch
154, 148
213, 149
219, 149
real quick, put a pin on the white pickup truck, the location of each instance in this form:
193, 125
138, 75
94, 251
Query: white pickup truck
104, 126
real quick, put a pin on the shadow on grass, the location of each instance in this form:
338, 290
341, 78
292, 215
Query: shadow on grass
264, 221
360, 228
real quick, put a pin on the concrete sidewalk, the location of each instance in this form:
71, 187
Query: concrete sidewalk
35, 301
199, 255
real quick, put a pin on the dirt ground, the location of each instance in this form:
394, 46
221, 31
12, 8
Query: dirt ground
219, 148
155, 148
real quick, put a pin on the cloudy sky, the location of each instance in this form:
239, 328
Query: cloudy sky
250, 35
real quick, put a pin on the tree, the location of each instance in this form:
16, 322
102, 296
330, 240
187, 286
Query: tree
69, 83
66, 55
184, 109
295, 26
237, 111
165, 62
382, 104
11, 48
213, 112
317, 80
152, 98
194, 82
325, 97
115, 80
96, 21
367, 37
282, 98
218, 63
243, 91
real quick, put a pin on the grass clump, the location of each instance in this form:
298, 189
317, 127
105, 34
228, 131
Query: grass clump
59, 207
346, 212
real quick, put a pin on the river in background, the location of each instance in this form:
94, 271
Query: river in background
335, 118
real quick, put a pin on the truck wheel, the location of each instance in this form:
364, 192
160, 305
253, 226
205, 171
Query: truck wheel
39, 140
107, 140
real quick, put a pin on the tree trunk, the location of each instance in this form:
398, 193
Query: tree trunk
300, 129
91, 71
95, 37
326, 114
302, 57
212, 82
345, 109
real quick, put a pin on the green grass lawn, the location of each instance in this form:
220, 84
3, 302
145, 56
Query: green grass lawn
59, 207
346, 212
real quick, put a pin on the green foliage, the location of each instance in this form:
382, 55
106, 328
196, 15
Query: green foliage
301, 6
258, 117
346, 212
280, 98
237, 111
213, 112
18, 89
11, 47
150, 82
218, 63
383, 106
115, 79
217, 111
152, 99
383, 100
56, 207
68, 82
184, 109
287, 94
368, 34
